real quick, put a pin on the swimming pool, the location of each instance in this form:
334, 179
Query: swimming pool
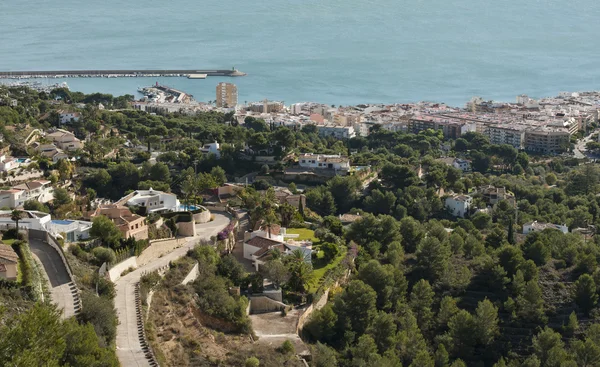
185, 208
21, 160
62, 222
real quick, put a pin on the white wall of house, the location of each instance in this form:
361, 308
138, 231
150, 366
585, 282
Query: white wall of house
155, 201
458, 206
212, 148
39, 222
66, 118
538, 227
249, 250
320, 161
462, 165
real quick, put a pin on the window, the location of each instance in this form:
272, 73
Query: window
162, 202
137, 226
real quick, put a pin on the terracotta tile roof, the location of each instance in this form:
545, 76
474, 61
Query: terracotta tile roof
8, 255
31, 185
263, 242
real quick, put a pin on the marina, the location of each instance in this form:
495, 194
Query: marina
190, 74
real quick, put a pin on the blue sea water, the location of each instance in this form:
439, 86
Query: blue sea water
332, 51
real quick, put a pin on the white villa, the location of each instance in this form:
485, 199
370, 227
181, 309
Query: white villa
41, 191
30, 220
51, 151
65, 140
258, 245
462, 164
333, 162
155, 201
65, 117
73, 230
536, 226
212, 148
459, 205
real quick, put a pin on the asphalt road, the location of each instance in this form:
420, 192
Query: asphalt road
57, 275
129, 349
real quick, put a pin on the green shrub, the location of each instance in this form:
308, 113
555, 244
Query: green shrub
252, 362
287, 347
13, 234
100, 312
30, 276
104, 255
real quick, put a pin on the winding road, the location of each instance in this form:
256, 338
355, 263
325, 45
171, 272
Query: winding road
129, 348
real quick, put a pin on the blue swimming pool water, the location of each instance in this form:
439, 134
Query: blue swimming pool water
183, 207
21, 160
62, 222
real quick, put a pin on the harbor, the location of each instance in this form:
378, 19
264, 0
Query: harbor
190, 74
164, 94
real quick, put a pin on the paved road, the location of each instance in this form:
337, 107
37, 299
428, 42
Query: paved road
61, 287
129, 349
580, 151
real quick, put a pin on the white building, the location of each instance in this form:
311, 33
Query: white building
459, 205
361, 129
65, 140
30, 220
66, 117
212, 148
462, 164
338, 132
511, 134
536, 226
258, 246
72, 230
154, 201
8, 163
52, 152
16, 196
334, 162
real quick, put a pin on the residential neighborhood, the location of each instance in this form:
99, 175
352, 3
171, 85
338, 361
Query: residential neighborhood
265, 219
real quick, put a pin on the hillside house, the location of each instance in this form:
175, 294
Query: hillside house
65, 140
130, 225
458, 205
8, 263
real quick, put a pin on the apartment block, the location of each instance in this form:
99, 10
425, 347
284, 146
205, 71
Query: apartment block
227, 95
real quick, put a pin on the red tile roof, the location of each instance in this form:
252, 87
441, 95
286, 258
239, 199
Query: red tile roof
8, 255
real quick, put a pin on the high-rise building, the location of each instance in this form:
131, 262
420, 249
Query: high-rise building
227, 95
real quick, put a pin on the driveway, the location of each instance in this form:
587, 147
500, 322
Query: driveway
62, 289
129, 349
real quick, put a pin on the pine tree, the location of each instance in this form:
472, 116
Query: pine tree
301, 208
511, 234
572, 326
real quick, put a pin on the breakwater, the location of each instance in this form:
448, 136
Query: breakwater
116, 73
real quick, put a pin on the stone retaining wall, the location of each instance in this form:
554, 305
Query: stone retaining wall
115, 272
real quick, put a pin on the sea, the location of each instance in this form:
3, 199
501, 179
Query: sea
341, 52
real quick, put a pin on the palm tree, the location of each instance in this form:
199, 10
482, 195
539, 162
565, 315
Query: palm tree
16, 215
188, 187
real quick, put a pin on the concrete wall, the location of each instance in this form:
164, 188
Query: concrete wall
159, 248
115, 272
192, 275
187, 229
276, 295
202, 217
310, 309
262, 304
